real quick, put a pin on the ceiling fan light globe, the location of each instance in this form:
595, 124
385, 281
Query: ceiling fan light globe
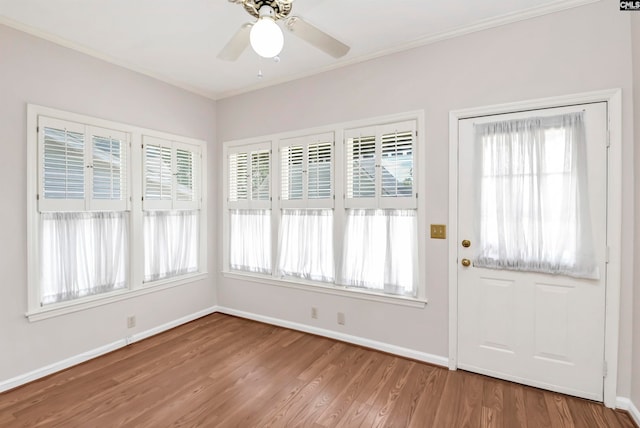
266, 38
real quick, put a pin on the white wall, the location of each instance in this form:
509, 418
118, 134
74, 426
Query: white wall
635, 387
578, 50
35, 71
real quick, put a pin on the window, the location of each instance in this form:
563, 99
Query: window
379, 166
250, 177
380, 239
171, 205
249, 200
171, 243
82, 254
84, 219
345, 213
306, 171
83, 210
82, 168
532, 181
250, 232
305, 244
381, 251
170, 174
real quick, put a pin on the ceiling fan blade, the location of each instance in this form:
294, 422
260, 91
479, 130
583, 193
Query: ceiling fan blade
238, 43
317, 37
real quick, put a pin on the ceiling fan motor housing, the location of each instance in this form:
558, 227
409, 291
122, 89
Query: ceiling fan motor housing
281, 9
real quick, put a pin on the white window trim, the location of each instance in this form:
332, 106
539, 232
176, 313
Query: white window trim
326, 288
338, 130
136, 287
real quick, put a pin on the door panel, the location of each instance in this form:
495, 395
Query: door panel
534, 328
551, 319
496, 325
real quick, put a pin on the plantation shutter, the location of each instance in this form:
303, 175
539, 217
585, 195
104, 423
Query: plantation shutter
61, 165
249, 176
109, 169
171, 175
397, 148
261, 175
187, 185
81, 168
306, 171
360, 172
291, 172
379, 166
157, 173
238, 170
319, 170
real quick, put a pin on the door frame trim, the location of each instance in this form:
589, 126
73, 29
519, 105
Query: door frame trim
613, 98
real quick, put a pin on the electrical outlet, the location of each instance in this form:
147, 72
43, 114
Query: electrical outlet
314, 313
341, 318
131, 321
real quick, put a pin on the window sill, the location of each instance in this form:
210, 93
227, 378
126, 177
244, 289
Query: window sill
64, 308
336, 290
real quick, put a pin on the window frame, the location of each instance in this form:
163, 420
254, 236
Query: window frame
338, 168
134, 206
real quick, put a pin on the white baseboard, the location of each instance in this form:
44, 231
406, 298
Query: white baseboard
624, 403
356, 340
171, 324
6, 385
634, 412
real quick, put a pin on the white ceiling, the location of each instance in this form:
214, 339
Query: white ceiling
177, 40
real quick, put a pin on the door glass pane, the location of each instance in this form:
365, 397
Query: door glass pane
534, 211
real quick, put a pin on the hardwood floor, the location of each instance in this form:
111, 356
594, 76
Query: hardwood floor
222, 371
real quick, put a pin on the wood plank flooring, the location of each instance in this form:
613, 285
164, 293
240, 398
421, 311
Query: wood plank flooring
222, 371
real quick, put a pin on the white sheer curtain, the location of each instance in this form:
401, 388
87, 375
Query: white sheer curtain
305, 244
380, 251
250, 240
82, 254
533, 199
171, 243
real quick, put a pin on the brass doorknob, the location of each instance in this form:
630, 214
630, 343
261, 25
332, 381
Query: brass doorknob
466, 243
466, 262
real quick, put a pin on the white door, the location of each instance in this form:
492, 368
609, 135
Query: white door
539, 329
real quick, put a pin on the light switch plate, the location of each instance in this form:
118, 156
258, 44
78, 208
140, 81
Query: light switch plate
438, 231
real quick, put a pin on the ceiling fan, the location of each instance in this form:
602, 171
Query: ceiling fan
265, 36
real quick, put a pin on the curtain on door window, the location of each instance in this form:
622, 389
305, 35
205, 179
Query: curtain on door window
171, 243
380, 251
306, 244
250, 240
82, 254
533, 200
